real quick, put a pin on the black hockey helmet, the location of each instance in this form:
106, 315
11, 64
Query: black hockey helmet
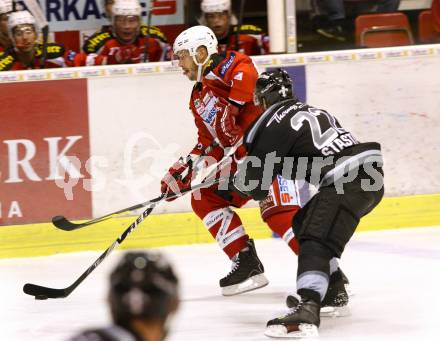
143, 285
272, 87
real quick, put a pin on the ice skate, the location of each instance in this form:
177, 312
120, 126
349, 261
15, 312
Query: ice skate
302, 321
346, 284
247, 273
335, 303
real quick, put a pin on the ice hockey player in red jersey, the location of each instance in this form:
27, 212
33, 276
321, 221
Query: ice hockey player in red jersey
222, 107
217, 15
26, 53
126, 41
5, 10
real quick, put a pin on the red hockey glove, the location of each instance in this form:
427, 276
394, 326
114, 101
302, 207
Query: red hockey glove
175, 181
228, 132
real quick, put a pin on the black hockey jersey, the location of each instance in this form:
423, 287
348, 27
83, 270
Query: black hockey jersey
111, 333
298, 141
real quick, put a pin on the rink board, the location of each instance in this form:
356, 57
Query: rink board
134, 122
139, 124
186, 228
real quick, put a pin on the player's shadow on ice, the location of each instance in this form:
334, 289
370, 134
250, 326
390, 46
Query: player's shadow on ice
245, 298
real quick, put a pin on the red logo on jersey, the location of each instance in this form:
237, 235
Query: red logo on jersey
286, 198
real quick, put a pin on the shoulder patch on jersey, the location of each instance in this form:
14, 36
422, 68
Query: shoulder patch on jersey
6, 61
227, 64
54, 50
239, 76
96, 41
154, 32
249, 29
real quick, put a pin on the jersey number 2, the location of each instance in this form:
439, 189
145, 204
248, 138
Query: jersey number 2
320, 139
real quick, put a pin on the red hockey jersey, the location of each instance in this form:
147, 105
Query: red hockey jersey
56, 56
232, 77
252, 41
110, 51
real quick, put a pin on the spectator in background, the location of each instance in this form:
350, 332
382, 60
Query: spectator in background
217, 15
329, 15
26, 53
143, 296
5, 10
112, 36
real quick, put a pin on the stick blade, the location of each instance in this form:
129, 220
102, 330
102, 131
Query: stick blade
63, 224
41, 293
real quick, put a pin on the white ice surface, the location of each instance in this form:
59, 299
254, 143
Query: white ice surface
395, 276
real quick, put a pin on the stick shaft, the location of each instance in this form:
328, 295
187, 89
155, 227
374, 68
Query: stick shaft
37, 290
63, 224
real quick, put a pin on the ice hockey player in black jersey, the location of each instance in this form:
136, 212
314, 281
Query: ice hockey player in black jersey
143, 295
298, 141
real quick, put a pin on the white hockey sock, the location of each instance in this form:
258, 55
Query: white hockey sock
334, 265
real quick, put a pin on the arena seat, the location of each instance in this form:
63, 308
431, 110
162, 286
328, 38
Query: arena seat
382, 30
427, 33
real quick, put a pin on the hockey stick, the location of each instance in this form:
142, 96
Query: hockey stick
43, 293
45, 31
64, 224
147, 37
40, 18
240, 22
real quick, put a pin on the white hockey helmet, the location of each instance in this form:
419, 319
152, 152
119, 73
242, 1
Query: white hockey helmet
5, 6
191, 39
20, 18
194, 37
126, 7
214, 6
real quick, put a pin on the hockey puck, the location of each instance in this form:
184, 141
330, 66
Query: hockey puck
41, 297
